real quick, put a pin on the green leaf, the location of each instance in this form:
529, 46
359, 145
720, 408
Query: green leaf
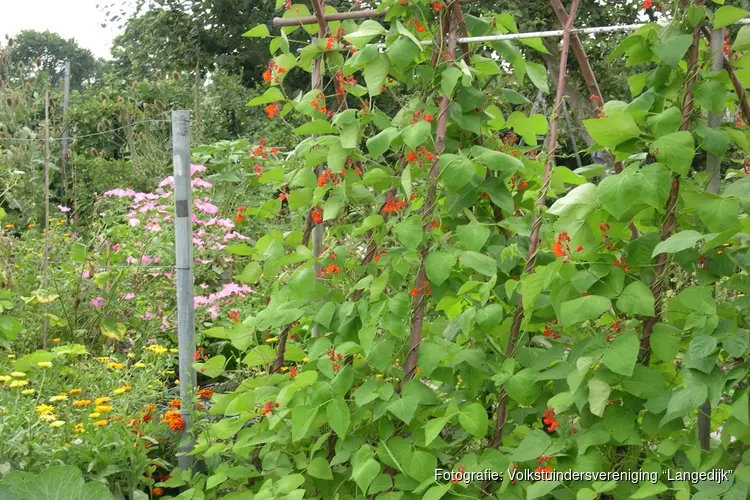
271, 95
415, 135
437, 492
319, 468
366, 472
665, 341
433, 428
583, 309
619, 421
727, 15
523, 387
409, 232
533, 445
666, 122
677, 242
456, 171
370, 222
672, 50
636, 298
479, 262
63, 482
684, 401
742, 41
379, 144
474, 420
404, 407
260, 31
538, 75
302, 419
438, 266
375, 73
598, 396
619, 193
701, 346
649, 490
540, 489
622, 354
259, 355
338, 416
718, 213
366, 32
315, 127
675, 151
10, 327
473, 235
711, 95
612, 130
578, 203
213, 367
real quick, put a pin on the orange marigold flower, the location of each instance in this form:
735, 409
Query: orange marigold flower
205, 393
157, 492
175, 403
647, 4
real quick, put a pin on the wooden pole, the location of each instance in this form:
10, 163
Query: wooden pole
184, 271
536, 226
64, 141
45, 262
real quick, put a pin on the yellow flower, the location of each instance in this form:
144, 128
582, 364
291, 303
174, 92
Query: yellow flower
101, 401
56, 340
73, 392
55, 399
27, 392
18, 383
131, 355
95, 415
81, 403
116, 366
174, 351
305, 359
177, 382
156, 348
43, 409
49, 417
4, 378
103, 358
30, 226
169, 372
139, 365
103, 408
100, 423
44, 364
284, 368
57, 423
271, 340
119, 391
79, 429
18, 374
9, 226
378, 375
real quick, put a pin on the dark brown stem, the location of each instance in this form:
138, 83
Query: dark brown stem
536, 227
669, 222
415, 335
456, 8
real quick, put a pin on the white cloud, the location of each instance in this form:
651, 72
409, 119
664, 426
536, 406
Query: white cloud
78, 19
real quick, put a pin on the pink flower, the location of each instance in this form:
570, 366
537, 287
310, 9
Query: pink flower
206, 207
134, 222
200, 183
115, 247
147, 315
63, 209
97, 303
146, 260
157, 260
214, 311
150, 341
138, 244
86, 275
167, 181
196, 168
131, 260
128, 296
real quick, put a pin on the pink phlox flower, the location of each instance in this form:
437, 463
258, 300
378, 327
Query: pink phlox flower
196, 168
97, 303
63, 208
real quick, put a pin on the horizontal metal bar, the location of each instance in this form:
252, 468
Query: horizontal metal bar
279, 22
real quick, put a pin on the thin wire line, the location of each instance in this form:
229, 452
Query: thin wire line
86, 135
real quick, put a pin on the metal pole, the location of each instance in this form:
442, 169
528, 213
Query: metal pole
45, 263
64, 141
571, 133
713, 170
184, 268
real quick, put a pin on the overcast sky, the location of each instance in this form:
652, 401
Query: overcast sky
78, 19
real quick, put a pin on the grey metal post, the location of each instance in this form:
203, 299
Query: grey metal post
713, 171
184, 270
45, 263
64, 141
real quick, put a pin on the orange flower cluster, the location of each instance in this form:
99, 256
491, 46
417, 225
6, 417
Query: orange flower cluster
330, 269
322, 108
317, 215
418, 115
175, 403
293, 372
377, 255
621, 263
241, 210
460, 470
436, 6
413, 156
174, 419
328, 176
424, 288
562, 246
344, 82
549, 420
548, 332
647, 4
234, 316
260, 150
334, 357
273, 72
544, 469
205, 393
413, 22
200, 353
269, 407
393, 205
273, 109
